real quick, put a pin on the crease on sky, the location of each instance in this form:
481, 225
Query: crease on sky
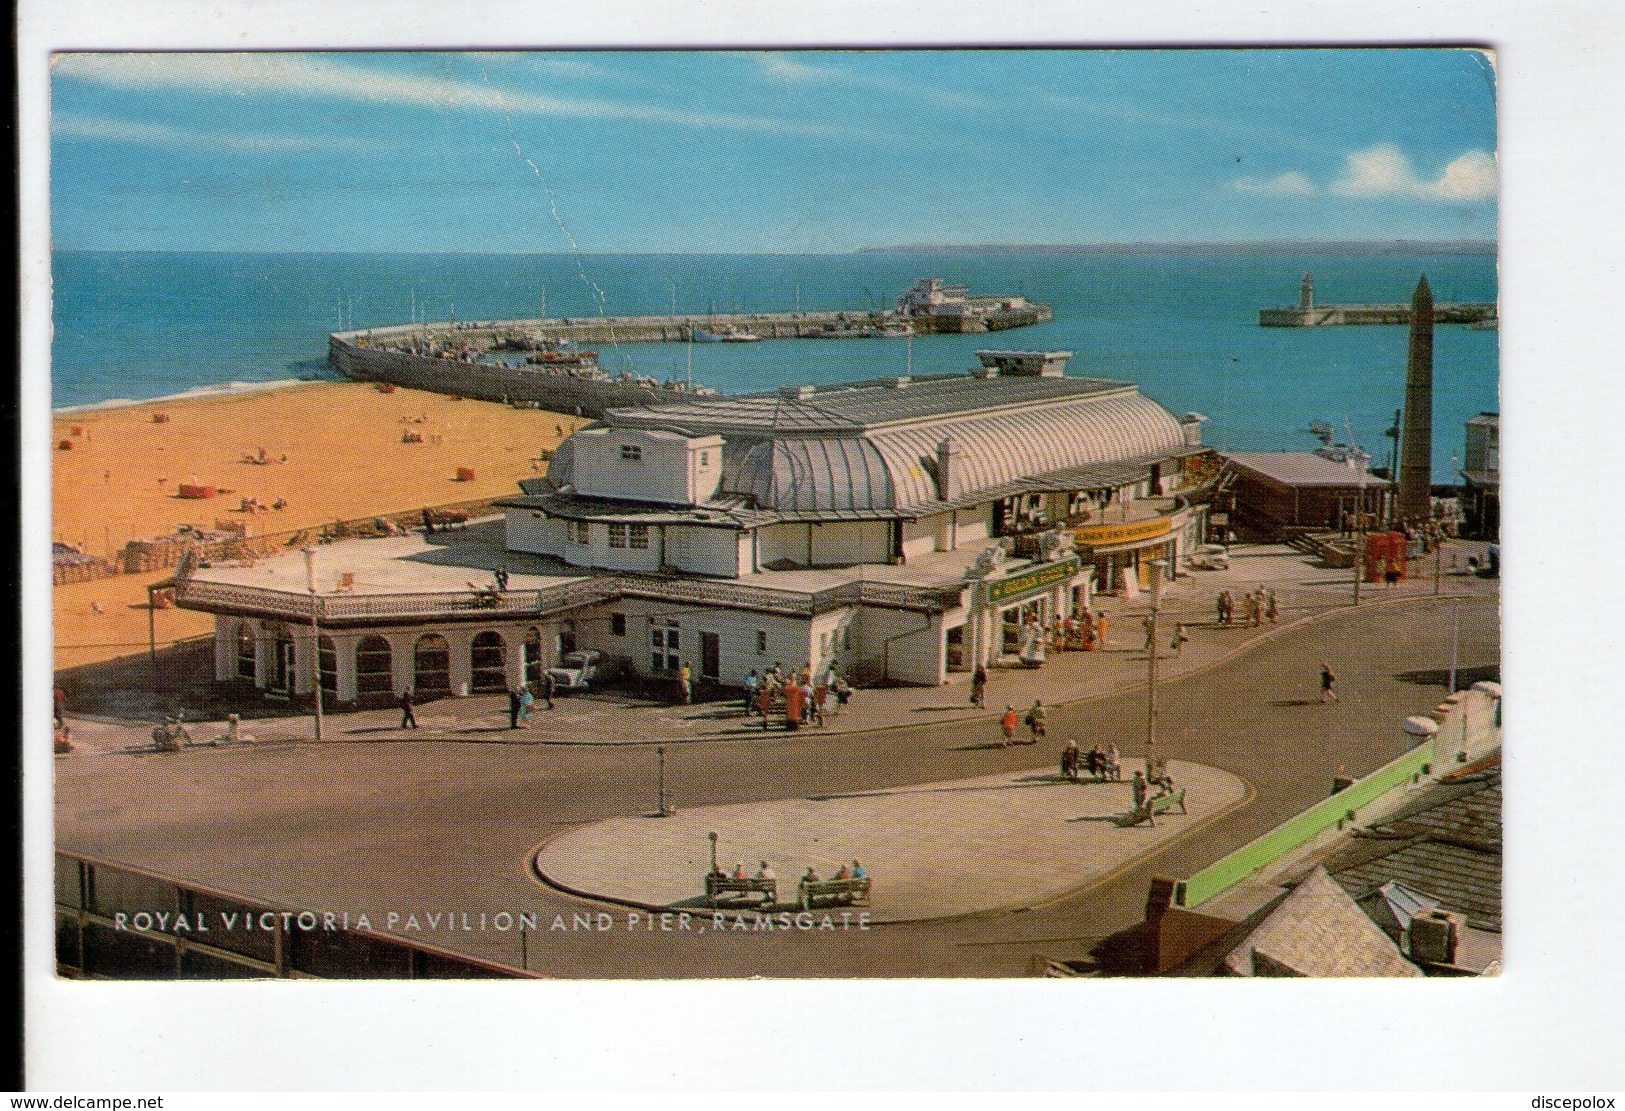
787, 68
300, 75
158, 134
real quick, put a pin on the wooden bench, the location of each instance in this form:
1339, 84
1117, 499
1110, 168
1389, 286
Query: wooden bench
717, 886
846, 891
1156, 804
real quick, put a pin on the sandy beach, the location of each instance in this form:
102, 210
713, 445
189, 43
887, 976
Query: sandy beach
344, 458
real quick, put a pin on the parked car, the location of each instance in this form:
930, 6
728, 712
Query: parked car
579, 670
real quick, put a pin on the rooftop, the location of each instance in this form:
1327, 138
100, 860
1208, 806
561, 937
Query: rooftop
860, 405
1298, 468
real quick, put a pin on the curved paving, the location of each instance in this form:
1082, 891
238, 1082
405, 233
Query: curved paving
934, 850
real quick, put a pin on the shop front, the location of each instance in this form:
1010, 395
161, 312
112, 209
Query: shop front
1122, 554
1009, 613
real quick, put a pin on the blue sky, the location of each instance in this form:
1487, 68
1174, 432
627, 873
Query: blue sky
794, 151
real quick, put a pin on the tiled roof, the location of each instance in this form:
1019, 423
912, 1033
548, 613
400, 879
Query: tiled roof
1317, 930
1446, 844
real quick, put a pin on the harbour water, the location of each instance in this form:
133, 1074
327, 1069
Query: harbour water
1182, 323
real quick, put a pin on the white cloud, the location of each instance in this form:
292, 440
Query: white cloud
316, 75
787, 67
158, 134
1384, 171
1289, 184
1468, 178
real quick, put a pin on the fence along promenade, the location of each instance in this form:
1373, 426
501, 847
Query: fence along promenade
194, 593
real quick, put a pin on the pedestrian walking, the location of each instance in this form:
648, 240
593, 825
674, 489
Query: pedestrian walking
59, 705
1328, 689
513, 708
1140, 789
1179, 639
764, 703
1227, 608
1218, 604
978, 687
1007, 724
501, 576
843, 693
1037, 722
1272, 609
684, 690
794, 705
407, 720
527, 703
1100, 628
1249, 609
750, 684
547, 686
820, 699
1150, 636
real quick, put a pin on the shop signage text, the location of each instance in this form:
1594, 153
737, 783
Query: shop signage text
1096, 536
1032, 580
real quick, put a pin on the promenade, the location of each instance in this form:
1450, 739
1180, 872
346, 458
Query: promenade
1305, 592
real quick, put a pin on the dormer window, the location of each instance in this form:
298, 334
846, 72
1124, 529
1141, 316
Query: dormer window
632, 452
705, 458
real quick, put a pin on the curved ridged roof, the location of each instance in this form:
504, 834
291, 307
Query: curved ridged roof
809, 474
998, 448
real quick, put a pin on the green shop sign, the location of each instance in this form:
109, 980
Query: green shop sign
1032, 580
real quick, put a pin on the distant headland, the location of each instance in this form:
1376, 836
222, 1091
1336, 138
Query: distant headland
1307, 246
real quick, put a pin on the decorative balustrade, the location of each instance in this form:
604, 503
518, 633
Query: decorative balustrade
339, 609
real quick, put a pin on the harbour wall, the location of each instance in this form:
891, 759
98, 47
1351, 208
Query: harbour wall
1456, 312
677, 329
555, 391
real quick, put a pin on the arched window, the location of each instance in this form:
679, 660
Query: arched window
327, 664
533, 655
431, 665
488, 659
245, 652
373, 666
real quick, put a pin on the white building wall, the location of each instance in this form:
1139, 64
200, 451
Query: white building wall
671, 469
703, 551
844, 543
785, 640
920, 537
787, 541
973, 526
530, 530
900, 646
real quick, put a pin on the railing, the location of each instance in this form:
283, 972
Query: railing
1233, 868
332, 609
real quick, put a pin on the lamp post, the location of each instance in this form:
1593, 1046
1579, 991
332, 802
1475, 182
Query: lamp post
315, 636
1151, 664
713, 838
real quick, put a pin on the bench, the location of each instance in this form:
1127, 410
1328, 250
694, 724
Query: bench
846, 891
1156, 804
717, 886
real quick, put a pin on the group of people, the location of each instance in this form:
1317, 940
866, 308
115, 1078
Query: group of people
522, 703
803, 701
1082, 631
1147, 787
1036, 721
1097, 762
1257, 607
856, 871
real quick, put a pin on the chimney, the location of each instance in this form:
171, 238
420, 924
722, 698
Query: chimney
1191, 426
1157, 902
1416, 446
1435, 934
949, 479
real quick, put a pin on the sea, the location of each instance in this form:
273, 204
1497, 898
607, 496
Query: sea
1181, 322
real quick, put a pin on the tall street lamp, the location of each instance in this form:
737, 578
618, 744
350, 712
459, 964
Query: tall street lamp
1151, 664
315, 636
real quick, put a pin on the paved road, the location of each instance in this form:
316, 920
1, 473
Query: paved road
425, 827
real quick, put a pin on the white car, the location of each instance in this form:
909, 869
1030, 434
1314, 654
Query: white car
576, 670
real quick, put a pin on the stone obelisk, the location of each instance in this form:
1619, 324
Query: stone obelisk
1416, 443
